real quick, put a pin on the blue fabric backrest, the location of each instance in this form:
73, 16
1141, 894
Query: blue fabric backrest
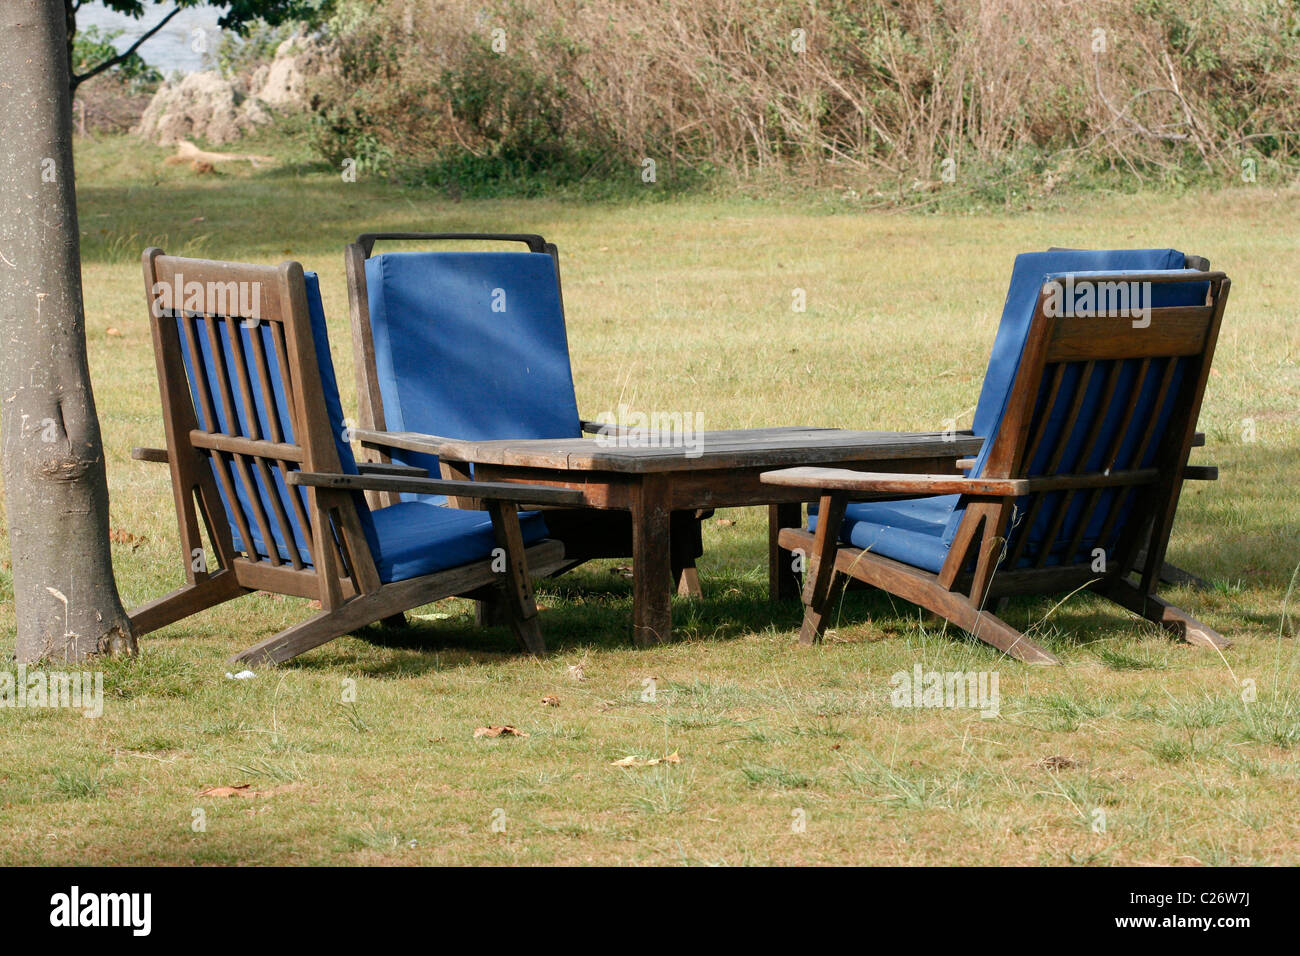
268, 414
471, 345
1027, 277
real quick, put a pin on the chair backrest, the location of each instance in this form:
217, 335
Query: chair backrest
249, 395
1101, 416
1022, 292
467, 345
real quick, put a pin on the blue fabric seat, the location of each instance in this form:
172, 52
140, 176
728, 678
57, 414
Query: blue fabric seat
416, 537
920, 531
407, 540
470, 345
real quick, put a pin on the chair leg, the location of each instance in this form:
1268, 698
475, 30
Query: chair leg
518, 601
292, 641
184, 601
687, 545
991, 629
815, 613
1158, 611
819, 582
491, 612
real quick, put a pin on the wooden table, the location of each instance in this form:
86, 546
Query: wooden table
652, 482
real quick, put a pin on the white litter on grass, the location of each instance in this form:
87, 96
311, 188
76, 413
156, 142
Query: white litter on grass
242, 675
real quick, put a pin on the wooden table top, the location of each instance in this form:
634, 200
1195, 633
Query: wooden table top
735, 448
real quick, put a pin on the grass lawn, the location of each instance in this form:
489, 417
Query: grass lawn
787, 755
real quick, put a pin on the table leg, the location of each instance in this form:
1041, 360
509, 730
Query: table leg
783, 582
651, 563
685, 548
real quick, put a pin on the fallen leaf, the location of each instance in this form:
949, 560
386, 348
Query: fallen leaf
624, 570
577, 672
504, 730
122, 536
114, 333
550, 700
673, 757
724, 522
238, 790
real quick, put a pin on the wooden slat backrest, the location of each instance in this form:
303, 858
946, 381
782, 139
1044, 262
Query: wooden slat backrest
243, 407
1101, 417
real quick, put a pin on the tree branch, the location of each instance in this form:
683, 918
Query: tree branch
78, 79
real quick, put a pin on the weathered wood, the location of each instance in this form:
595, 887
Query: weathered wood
484, 490
840, 479
402, 595
783, 581
519, 605
820, 557
686, 547
651, 563
771, 448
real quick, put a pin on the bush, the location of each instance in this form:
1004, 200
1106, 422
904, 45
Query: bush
480, 94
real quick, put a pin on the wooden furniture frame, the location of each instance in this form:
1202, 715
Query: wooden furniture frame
970, 575
341, 573
654, 485
584, 534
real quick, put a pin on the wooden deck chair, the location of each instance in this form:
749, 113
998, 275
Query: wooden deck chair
257, 448
472, 346
1081, 469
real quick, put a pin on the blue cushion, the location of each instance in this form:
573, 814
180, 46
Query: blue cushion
416, 537
471, 345
910, 531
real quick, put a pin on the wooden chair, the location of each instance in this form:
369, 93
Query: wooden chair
258, 449
1079, 475
472, 346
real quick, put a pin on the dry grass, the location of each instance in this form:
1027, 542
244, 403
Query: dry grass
687, 305
850, 92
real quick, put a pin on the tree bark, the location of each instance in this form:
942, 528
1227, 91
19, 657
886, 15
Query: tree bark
56, 494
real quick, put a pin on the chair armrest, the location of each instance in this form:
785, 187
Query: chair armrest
391, 468
403, 441
158, 455
483, 490
870, 482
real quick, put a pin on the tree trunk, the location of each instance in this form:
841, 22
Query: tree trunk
56, 495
